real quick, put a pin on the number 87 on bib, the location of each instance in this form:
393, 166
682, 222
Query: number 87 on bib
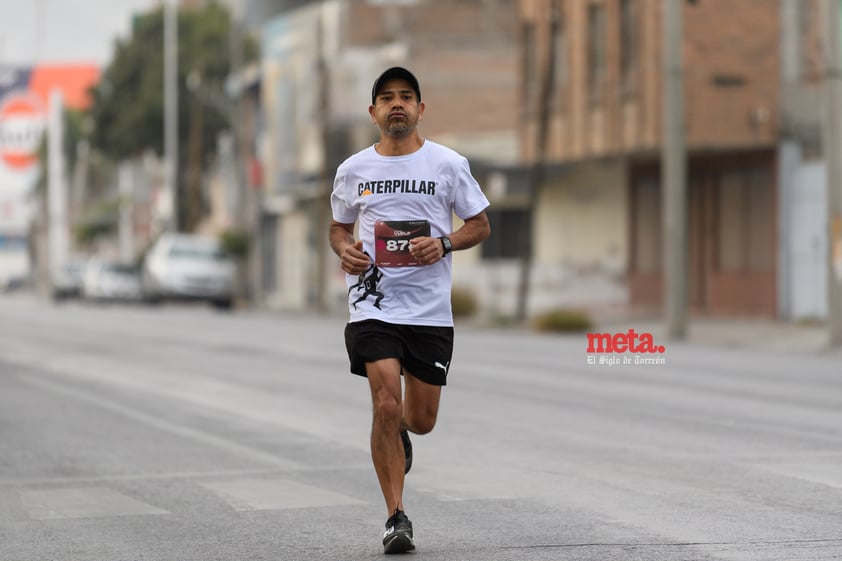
391, 241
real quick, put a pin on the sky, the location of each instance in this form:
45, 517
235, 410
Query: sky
63, 31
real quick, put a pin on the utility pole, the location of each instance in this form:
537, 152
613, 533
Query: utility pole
536, 173
236, 114
323, 212
56, 187
171, 109
674, 172
244, 211
833, 159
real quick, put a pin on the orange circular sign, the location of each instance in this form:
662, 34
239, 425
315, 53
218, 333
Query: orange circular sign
21, 127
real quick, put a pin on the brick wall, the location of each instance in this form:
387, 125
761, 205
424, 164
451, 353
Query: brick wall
731, 72
464, 53
731, 78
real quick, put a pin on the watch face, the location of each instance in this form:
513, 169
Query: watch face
448, 247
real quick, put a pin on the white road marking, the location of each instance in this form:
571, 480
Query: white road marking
824, 474
84, 502
275, 494
158, 423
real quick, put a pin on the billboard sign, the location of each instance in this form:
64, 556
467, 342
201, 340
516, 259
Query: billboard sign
24, 92
21, 128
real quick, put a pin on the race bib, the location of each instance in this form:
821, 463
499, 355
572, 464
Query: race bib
391, 241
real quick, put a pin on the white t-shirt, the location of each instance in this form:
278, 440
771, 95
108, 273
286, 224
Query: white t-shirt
430, 184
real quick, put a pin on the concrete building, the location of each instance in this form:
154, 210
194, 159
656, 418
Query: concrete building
598, 231
802, 176
319, 62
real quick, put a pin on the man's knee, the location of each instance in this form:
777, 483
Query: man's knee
422, 404
423, 427
387, 406
421, 422
384, 377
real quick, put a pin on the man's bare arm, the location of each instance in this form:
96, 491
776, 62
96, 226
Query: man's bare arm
429, 250
350, 252
474, 231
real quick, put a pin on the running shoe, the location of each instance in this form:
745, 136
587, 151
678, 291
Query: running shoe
407, 450
398, 535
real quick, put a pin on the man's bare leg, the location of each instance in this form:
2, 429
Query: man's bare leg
386, 448
420, 406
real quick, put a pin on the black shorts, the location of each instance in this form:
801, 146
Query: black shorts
424, 351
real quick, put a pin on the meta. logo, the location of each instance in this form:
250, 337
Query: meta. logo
21, 128
632, 342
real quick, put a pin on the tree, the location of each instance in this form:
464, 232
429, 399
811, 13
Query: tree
99, 218
128, 108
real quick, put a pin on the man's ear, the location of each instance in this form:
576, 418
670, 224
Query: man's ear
371, 113
421, 108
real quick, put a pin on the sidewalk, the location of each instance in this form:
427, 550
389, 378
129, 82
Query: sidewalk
780, 336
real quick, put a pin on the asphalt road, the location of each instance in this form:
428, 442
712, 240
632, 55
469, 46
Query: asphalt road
181, 434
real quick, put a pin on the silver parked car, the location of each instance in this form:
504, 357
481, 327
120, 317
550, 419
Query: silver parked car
107, 280
68, 280
188, 267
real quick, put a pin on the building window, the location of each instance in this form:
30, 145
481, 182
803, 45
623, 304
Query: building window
628, 46
506, 227
596, 49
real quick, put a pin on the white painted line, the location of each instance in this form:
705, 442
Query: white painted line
87, 502
276, 494
105, 479
226, 445
824, 474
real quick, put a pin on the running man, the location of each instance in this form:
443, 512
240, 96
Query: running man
402, 193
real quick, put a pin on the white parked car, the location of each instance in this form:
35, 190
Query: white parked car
107, 280
188, 267
69, 279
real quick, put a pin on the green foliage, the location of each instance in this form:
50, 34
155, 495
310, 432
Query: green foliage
128, 109
235, 243
86, 233
463, 302
75, 124
503, 320
101, 220
563, 321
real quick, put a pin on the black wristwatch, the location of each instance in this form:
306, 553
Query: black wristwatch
446, 245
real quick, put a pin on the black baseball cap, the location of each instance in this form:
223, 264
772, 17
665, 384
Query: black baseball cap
391, 74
